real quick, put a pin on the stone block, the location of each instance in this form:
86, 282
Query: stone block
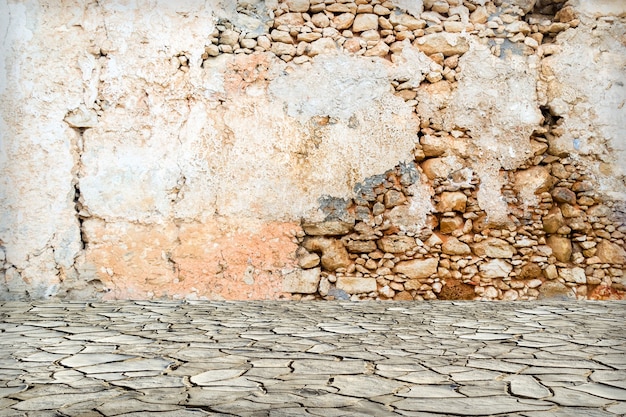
356, 285
417, 268
302, 281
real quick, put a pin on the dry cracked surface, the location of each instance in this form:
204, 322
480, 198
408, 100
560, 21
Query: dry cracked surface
318, 359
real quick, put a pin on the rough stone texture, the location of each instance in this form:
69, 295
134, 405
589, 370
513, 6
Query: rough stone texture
418, 268
219, 149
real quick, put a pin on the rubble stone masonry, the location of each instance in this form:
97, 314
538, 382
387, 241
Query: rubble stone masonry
313, 149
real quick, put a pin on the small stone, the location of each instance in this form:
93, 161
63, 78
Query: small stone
555, 290
452, 201
328, 228
448, 225
446, 43
510, 295
334, 254
496, 268
309, 37
561, 247
229, 37
406, 20
394, 198
280, 48
308, 260
361, 246
532, 181
530, 270
417, 268
343, 21
356, 285
396, 244
302, 281
322, 46
281, 36
553, 221
563, 195
576, 275
365, 21
380, 49
403, 296
289, 19
453, 246
298, 5
494, 248
480, 15
320, 20
610, 253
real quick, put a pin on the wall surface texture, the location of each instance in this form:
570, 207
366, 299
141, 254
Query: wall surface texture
311, 149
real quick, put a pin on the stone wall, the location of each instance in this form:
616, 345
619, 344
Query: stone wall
313, 149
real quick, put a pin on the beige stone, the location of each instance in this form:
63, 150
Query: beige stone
575, 275
452, 201
403, 296
365, 21
320, 20
280, 48
361, 246
380, 49
302, 281
561, 247
394, 198
563, 195
289, 19
356, 285
493, 247
309, 37
611, 253
328, 228
298, 5
453, 246
397, 244
322, 46
436, 168
308, 260
553, 221
343, 21
406, 20
446, 43
334, 254
480, 15
449, 224
229, 37
555, 290
417, 268
496, 268
532, 181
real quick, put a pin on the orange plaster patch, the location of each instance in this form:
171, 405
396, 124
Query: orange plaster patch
192, 260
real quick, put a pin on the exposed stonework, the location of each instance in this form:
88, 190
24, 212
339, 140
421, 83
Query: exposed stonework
371, 149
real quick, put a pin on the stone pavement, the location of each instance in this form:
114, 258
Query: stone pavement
312, 359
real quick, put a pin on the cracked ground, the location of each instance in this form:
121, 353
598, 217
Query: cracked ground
319, 359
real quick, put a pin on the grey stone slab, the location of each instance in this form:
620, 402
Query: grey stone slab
471, 406
88, 359
313, 366
431, 391
150, 382
601, 390
136, 364
6, 391
527, 387
365, 386
573, 398
207, 377
130, 405
55, 402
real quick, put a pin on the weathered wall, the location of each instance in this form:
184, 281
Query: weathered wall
174, 149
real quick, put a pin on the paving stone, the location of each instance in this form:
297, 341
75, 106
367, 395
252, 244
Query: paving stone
528, 387
324, 359
603, 391
574, 398
431, 391
471, 406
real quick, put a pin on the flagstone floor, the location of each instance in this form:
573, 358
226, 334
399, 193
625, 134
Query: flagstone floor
279, 359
